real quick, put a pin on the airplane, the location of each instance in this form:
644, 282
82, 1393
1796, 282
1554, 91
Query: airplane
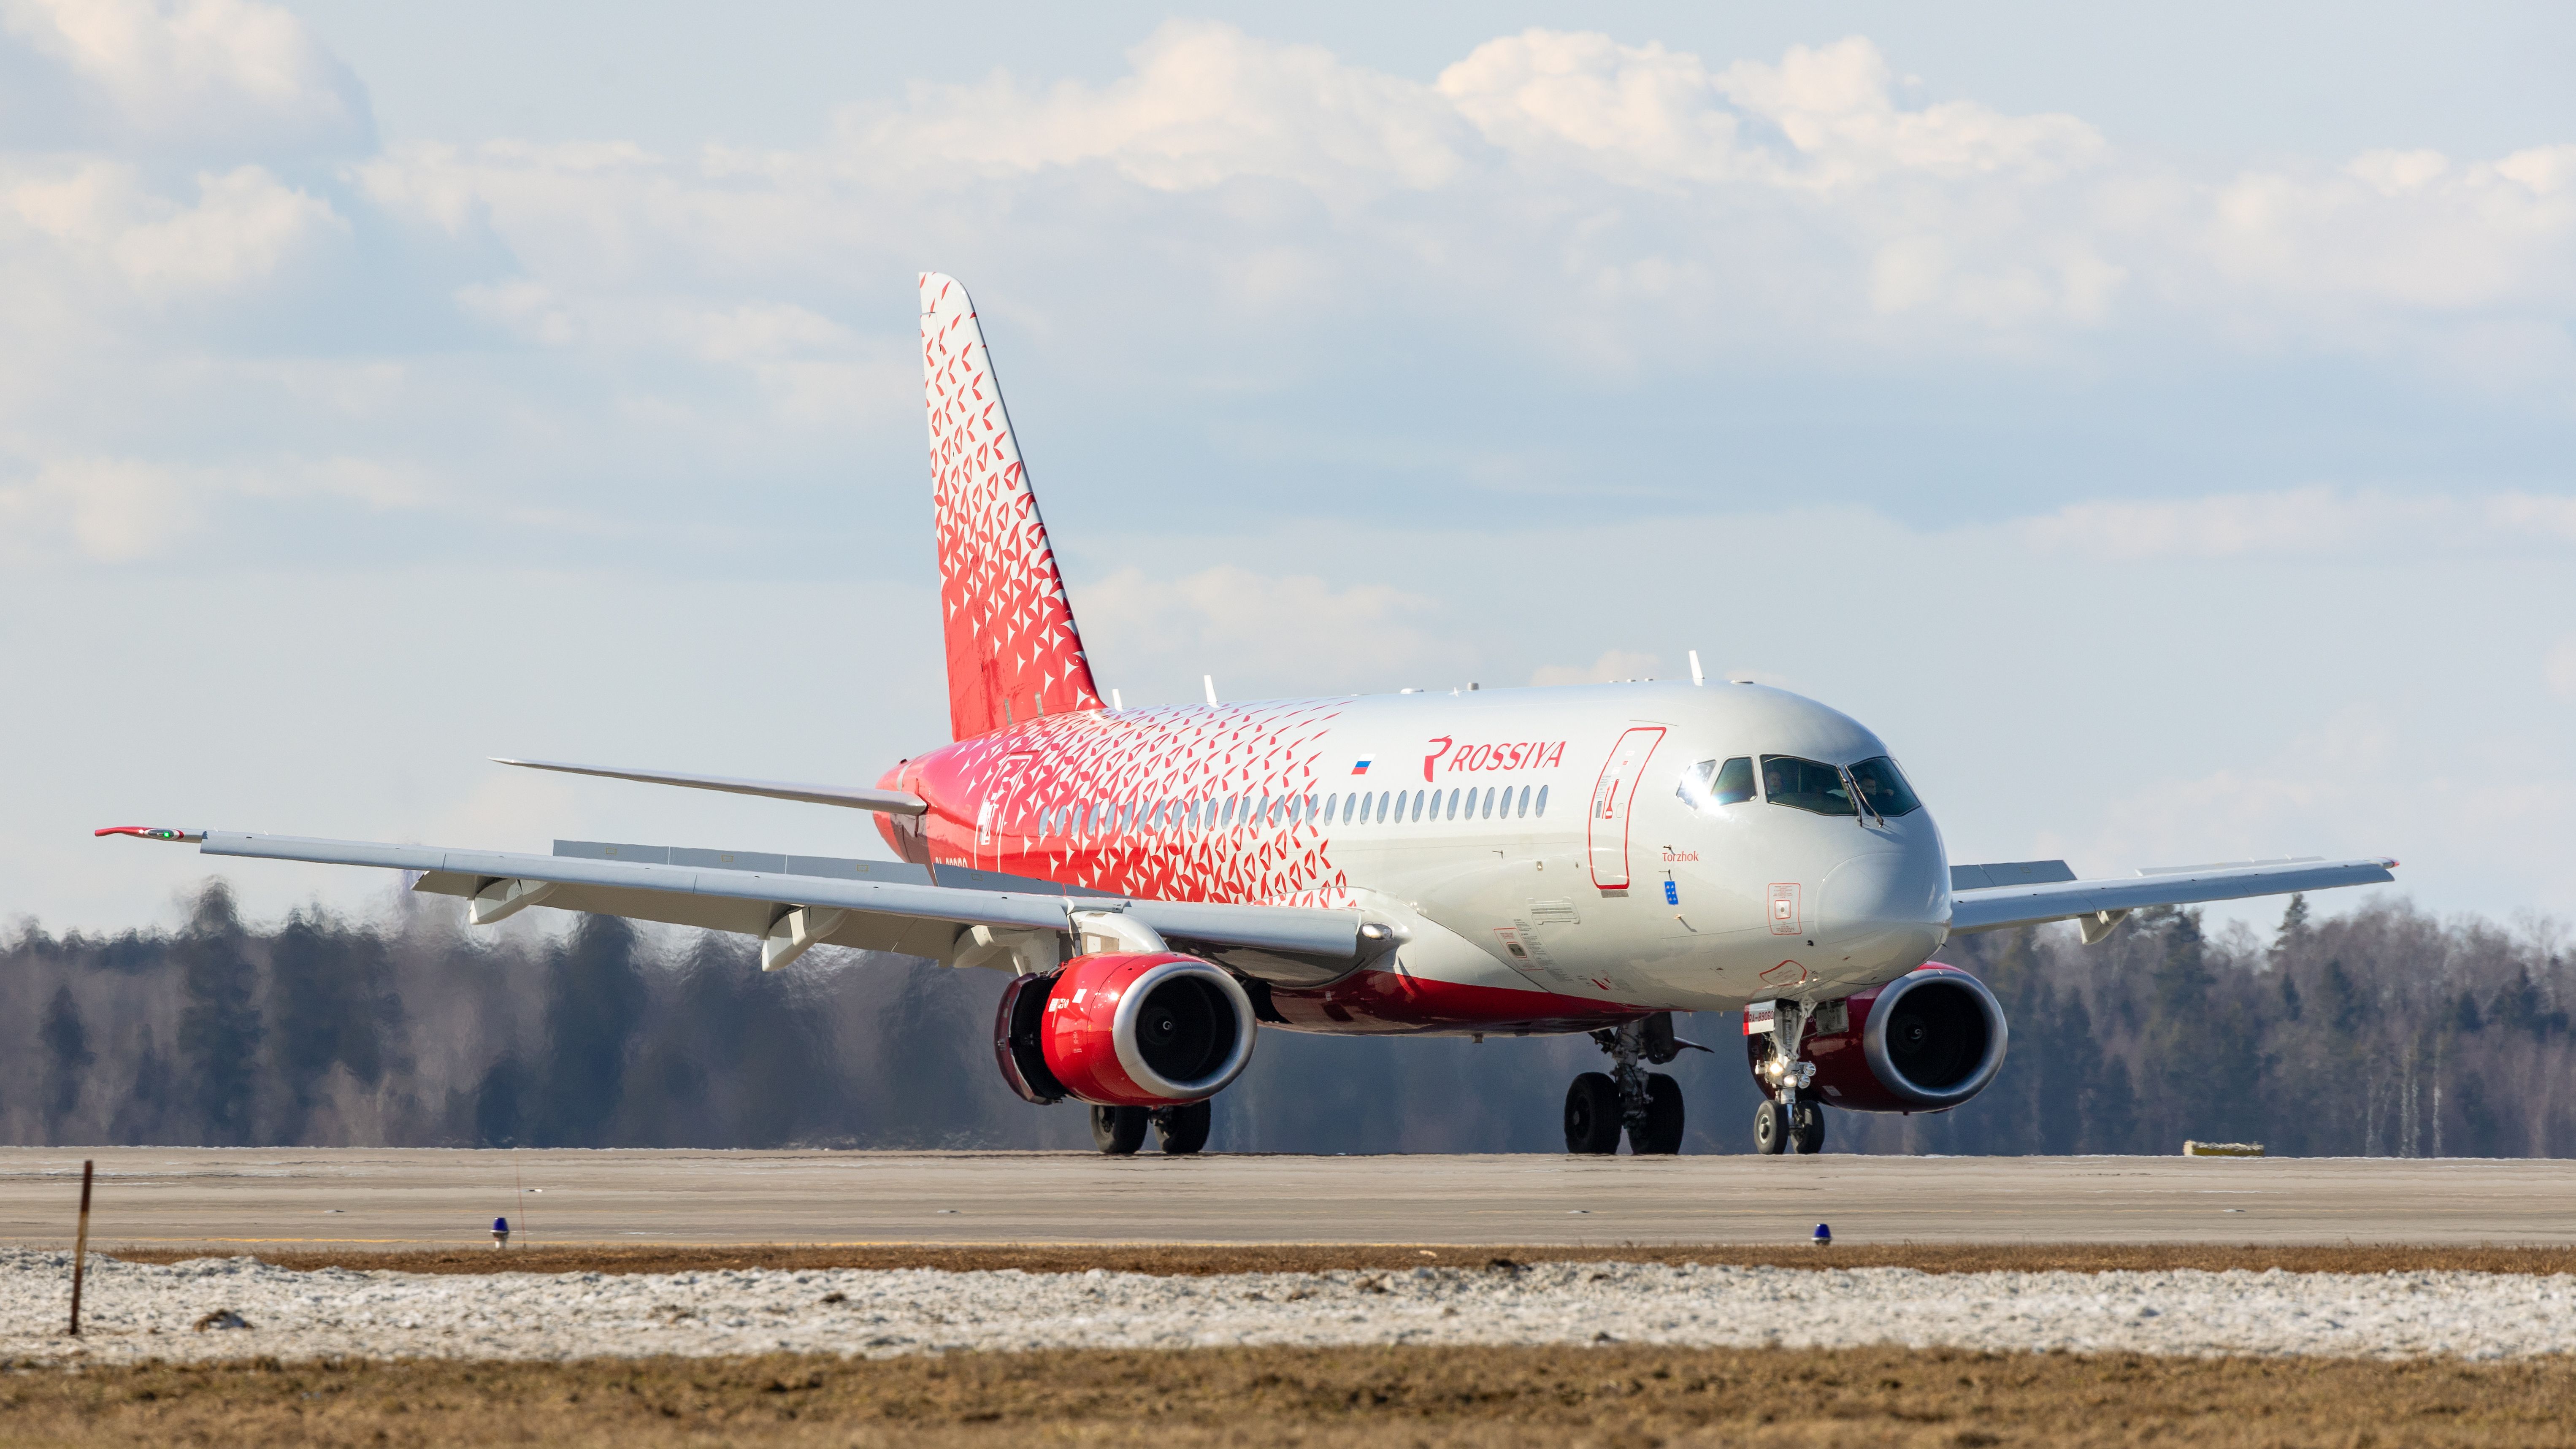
1162, 882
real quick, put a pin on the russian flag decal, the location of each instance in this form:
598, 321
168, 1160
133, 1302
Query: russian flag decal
1361, 768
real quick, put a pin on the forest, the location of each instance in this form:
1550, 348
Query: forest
2382, 1032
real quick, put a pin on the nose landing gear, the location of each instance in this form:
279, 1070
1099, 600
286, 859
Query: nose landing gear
1788, 1120
1646, 1105
1782, 1127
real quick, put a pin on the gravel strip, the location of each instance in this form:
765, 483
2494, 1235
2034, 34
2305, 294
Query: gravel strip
137, 1311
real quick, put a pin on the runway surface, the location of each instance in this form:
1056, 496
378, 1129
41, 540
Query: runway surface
242, 1197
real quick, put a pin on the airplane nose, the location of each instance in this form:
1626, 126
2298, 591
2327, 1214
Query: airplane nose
1883, 909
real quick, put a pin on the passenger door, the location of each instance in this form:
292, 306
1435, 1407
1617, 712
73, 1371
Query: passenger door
1614, 795
993, 822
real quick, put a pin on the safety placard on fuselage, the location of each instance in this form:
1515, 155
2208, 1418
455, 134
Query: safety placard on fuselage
1784, 908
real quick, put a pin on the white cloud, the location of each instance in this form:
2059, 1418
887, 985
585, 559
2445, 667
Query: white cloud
2392, 173
114, 510
1613, 665
2406, 231
1637, 113
244, 227
2314, 521
123, 510
1837, 105
2357, 783
2559, 669
1653, 116
816, 371
190, 73
1206, 104
1786, 207
1232, 622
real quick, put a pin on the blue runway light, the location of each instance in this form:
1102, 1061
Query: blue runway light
1824, 1236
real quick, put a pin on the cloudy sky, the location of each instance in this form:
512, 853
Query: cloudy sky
2160, 427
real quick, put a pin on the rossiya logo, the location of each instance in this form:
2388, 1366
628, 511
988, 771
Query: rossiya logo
1515, 755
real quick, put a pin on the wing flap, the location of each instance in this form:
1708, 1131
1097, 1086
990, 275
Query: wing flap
2001, 907
918, 920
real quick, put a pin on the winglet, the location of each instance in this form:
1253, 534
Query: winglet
153, 832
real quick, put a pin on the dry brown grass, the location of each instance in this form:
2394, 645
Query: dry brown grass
1267, 1258
1612, 1395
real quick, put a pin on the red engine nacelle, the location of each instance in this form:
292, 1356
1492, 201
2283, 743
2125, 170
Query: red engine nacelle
1927, 1041
1152, 1030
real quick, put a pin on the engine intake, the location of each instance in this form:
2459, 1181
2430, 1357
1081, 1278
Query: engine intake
1927, 1041
1150, 1030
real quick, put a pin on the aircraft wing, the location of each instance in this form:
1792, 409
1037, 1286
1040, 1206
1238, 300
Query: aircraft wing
2098, 905
1285, 945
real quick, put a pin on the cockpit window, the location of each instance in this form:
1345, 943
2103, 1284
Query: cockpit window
1709, 784
1805, 785
1883, 787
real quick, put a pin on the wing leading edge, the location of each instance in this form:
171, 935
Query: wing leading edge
2098, 905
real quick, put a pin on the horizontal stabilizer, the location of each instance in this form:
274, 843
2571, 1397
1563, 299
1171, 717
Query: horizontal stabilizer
890, 802
2099, 904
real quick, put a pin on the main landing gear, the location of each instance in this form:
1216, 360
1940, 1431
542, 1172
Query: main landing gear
1119, 1131
1646, 1105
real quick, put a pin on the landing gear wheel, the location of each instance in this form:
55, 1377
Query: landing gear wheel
1771, 1128
1592, 1115
1807, 1128
1184, 1129
1118, 1131
1661, 1133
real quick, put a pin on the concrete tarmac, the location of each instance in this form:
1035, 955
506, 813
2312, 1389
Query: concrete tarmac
238, 1199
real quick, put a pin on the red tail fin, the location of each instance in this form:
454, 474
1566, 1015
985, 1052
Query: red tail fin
1013, 652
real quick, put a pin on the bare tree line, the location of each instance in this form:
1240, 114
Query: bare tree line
2381, 1033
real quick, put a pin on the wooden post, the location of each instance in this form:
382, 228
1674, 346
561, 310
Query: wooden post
80, 1244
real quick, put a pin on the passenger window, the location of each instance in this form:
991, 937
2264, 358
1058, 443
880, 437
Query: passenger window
1805, 785
1883, 787
1523, 812
1419, 796
1542, 801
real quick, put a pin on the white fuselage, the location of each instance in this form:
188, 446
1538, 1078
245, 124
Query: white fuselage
1518, 840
